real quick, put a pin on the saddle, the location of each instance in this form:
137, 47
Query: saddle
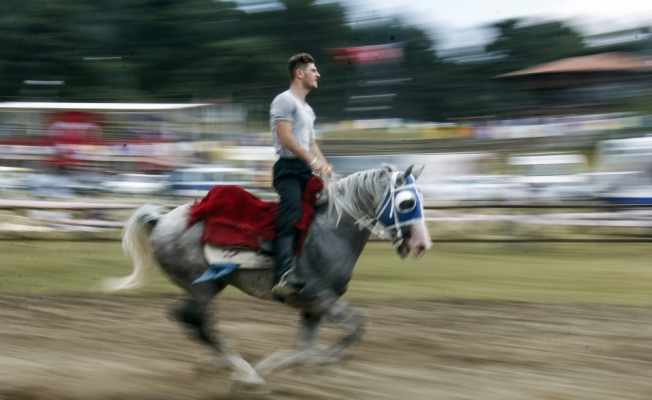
239, 228
234, 217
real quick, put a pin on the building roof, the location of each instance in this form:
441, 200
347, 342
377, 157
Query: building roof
594, 63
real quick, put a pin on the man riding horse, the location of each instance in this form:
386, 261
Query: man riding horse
384, 201
292, 124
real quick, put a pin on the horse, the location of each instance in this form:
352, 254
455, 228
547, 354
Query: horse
382, 201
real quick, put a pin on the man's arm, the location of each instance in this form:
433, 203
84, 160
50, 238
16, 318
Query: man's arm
313, 158
285, 138
314, 149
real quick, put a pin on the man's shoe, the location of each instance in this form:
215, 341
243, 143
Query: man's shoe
289, 284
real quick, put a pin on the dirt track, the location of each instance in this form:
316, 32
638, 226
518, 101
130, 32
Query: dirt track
127, 348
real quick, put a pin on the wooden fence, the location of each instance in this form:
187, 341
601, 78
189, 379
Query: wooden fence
496, 222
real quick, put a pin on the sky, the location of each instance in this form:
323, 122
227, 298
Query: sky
457, 23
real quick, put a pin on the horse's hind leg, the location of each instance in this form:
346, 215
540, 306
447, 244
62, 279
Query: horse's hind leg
195, 315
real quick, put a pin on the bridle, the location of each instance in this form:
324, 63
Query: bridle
402, 206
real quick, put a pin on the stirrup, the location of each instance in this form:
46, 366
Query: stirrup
284, 289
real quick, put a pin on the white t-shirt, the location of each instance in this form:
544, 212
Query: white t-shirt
288, 107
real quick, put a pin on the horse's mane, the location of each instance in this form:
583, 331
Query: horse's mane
358, 194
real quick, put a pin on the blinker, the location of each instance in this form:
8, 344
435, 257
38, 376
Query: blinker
405, 201
402, 205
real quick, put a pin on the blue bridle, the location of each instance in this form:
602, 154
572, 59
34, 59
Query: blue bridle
402, 205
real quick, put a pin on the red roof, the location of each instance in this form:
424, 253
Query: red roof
594, 63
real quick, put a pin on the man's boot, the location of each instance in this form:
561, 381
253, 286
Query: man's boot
286, 276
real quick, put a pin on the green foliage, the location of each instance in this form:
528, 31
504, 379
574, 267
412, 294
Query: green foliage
526, 45
156, 49
170, 50
470, 89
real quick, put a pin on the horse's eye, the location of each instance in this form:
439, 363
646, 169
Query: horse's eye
405, 201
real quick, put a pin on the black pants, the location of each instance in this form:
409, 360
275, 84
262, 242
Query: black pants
290, 176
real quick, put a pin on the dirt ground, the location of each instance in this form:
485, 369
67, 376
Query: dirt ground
127, 348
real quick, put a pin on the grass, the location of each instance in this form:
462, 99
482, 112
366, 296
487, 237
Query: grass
568, 273
66, 267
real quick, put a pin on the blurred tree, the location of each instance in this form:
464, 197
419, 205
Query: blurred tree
171, 50
314, 28
469, 88
410, 83
419, 96
40, 41
169, 44
525, 45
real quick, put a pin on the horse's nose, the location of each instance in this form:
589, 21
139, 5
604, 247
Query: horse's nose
419, 242
421, 249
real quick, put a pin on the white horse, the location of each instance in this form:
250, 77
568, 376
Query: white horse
384, 200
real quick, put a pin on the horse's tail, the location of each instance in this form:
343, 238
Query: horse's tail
135, 242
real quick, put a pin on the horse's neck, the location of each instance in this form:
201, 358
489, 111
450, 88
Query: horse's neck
353, 216
336, 236
344, 226
332, 230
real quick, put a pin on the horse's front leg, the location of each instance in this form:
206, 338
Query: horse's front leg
354, 323
305, 352
310, 323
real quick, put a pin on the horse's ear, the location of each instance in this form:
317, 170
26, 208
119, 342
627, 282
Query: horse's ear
418, 172
402, 178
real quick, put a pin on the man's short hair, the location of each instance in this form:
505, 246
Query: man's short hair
299, 61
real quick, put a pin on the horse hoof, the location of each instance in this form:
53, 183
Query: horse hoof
248, 382
323, 361
257, 388
212, 364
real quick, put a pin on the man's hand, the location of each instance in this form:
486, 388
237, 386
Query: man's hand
321, 167
327, 170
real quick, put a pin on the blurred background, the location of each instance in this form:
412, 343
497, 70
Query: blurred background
171, 98
507, 104
533, 121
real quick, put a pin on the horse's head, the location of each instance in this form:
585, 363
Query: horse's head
401, 215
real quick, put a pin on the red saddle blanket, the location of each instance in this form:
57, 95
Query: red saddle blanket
236, 218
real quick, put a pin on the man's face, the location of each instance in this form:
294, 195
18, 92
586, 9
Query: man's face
309, 77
